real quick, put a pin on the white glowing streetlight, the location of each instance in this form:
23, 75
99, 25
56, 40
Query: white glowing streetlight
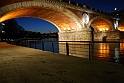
115, 8
3, 24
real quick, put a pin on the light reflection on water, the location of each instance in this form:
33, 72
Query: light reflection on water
105, 51
113, 52
78, 50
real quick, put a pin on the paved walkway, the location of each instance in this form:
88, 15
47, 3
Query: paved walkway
26, 65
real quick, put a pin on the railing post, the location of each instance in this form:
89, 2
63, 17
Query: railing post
22, 43
53, 46
67, 48
89, 51
35, 44
30, 44
25, 43
92, 50
42, 45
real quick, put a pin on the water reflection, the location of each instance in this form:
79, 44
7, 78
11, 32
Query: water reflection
103, 50
113, 52
117, 54
122, 48
79, 50
99, 51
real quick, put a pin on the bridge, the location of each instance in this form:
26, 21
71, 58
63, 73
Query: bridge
74, 21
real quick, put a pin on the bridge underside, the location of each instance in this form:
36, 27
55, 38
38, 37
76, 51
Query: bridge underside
69, 29
121, 27
60, 20
103, 30
101, 24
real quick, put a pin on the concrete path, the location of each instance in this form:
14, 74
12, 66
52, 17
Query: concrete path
26, 65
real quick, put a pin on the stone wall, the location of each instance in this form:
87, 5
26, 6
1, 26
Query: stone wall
84, 35
110, 35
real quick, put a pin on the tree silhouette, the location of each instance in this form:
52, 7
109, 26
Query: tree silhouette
13, 30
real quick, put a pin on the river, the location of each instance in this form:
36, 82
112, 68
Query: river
113, 52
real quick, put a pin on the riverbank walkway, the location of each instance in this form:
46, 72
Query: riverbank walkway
26, 65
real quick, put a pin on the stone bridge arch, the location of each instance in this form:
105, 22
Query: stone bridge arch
103, 29
100, 23
121, 26
68, 24
67, 20
121, 29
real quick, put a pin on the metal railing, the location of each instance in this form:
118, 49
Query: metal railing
112, 51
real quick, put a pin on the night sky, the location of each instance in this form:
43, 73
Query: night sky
35, 24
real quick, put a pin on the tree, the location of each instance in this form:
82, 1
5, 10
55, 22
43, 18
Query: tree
13, 30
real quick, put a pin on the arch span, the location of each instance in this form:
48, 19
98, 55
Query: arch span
61, 17
103, 29
101, 23
121, 26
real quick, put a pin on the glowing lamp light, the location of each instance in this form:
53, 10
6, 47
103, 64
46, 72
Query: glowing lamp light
100, 29
103, 29
69, 29
72, 28
106, 29
3, 32
3, 24
64, 28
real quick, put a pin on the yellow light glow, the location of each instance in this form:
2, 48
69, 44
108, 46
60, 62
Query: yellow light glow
122, 48
69, 29
103, 29
64, 28
100, 29
72, 28
121, 29
104, 50
107, 29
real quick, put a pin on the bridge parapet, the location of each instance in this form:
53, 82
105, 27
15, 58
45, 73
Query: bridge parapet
72, 5
83, 7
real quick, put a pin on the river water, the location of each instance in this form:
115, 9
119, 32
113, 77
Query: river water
113, 52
